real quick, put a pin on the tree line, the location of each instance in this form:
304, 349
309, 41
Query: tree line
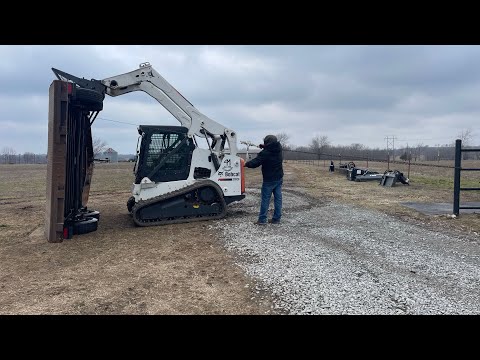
9, 155
321, 148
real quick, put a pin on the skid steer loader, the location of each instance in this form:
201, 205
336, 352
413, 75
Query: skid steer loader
175, 179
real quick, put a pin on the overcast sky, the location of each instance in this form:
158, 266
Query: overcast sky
351, 94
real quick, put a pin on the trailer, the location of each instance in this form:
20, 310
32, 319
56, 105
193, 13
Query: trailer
367, 175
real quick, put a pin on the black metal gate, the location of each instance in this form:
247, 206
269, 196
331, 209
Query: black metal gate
456, 180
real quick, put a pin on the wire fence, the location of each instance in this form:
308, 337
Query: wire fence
408, 167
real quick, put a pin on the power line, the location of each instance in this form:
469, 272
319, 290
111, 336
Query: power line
121, 122
442, 138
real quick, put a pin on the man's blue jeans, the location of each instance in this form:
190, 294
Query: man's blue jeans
268, 188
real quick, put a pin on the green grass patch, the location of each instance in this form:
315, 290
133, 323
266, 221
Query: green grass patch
437, 182
444, 183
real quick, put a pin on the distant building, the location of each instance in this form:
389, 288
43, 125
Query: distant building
109, 154
252, 153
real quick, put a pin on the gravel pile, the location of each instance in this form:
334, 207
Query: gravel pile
330, 258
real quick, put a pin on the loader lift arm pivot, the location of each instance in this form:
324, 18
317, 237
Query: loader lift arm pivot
148, 80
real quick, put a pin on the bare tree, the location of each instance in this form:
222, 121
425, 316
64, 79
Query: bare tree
9, 155
357, 147
466, 137
417, 150
29, 158
319, 143
99, 146
283, 138
324, 142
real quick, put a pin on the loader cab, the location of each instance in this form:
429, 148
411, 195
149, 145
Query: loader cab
164, 153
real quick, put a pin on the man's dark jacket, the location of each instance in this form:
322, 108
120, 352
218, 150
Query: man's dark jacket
271, 160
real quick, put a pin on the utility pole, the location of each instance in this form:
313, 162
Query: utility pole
391, 145
438, 152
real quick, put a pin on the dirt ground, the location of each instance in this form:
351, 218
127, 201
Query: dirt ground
172, 269
120, 268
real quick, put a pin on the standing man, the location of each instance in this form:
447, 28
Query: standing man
271, 159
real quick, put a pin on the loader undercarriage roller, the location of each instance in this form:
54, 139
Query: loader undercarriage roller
201, 201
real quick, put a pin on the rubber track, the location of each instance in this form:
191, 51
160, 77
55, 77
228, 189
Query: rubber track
160, 198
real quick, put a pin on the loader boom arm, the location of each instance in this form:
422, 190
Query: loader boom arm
147, 79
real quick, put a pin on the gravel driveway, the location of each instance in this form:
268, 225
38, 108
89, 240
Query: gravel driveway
331, 258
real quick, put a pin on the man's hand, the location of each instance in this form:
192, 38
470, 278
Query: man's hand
261, 146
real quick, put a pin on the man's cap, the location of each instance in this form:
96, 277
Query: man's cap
269, 139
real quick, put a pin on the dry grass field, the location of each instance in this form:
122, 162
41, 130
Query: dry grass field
172, 269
